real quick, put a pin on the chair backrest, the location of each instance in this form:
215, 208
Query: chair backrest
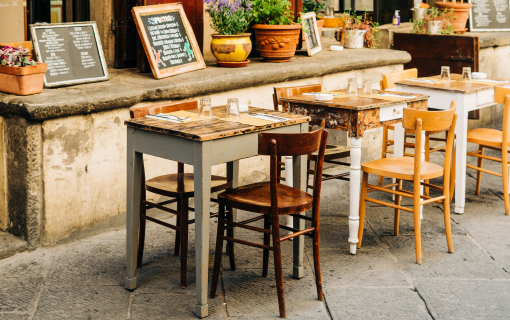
389, 79
502, 96
285, 92
277, 145
432, 122
163, 108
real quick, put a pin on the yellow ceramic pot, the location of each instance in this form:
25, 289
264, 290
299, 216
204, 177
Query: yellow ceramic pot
231, 48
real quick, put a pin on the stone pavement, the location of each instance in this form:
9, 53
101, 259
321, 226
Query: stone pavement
84, 279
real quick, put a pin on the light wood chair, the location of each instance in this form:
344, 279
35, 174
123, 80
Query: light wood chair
333, 152
495, 140
179, 186
388, 82
415, 170
271, 200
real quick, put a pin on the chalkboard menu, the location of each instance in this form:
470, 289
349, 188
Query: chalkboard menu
311, 33
168, 39
72, 51
490, 15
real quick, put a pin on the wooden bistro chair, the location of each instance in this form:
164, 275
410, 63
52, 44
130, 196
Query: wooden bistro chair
388, 82
495, 140
333, 152
272, 199
414, 169
179, 186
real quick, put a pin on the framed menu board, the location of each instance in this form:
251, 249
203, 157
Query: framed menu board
72, 51
311, 33
168, 39
489, 15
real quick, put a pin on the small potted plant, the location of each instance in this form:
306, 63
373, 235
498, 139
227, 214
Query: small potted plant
434, 22
19, 74
315, 6
359, 30
460, 11
276, 33
230, 44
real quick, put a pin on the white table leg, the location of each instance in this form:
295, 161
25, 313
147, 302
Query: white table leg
202, 171
299, 182
133, 196
289, 182
463, 101
355, 185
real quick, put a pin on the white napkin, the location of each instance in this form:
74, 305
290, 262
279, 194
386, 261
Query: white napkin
488, 80
167, 119
269, 118
396, 95
421, 80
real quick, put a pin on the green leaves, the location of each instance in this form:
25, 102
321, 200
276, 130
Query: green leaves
272, 12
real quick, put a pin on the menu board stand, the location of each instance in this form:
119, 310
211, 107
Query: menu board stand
311, 33
168, 39
72, 51
489, 15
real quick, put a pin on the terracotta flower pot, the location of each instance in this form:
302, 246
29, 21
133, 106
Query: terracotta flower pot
231, 48
22, 81
461, 12
277, 43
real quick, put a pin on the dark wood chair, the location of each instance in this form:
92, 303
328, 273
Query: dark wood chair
415, 170
179, 186
272, 199
333, 152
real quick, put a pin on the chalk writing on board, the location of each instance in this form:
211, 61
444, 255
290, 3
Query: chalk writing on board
490, 14
168, 40
312, 38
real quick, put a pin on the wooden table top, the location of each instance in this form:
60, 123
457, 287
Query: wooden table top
211, 129
457, 86
355, 102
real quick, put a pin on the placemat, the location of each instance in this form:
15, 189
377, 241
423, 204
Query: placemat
491, 83
193, 116
253, 121
438, 81
390, 98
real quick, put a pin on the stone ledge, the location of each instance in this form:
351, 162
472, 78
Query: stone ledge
127, 88
10, 245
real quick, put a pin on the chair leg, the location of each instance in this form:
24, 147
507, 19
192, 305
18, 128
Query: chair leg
316, 256
427, 158
478, 172
275, 221
184, 240
417, 220
504, 163
178, 233
452, 176
384, 149
230, 244
447, 222
362, 207
219, 249
141, 232
267, 242
397, 211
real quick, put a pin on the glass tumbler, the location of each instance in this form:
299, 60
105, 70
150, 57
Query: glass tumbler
233, 110
466, 74
366, 89
445, 73
352, 87
205, 111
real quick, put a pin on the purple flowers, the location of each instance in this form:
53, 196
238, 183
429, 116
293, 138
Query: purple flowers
229, 17
15, 57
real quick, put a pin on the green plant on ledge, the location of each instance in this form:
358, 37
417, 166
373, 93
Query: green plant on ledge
445, 17
272, 12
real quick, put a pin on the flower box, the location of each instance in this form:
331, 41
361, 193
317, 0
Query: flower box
22, 81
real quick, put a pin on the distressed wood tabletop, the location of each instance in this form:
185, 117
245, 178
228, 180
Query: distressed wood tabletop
455, 86
211, 129
354, 102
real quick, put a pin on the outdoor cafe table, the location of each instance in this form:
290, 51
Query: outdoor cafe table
469, 96
355, 115
202, 144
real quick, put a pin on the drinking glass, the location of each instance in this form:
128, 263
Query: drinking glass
445, 73
352, 87
366, 88
233, 110
466, 74
205, 111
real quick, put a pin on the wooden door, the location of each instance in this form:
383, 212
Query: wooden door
126, 34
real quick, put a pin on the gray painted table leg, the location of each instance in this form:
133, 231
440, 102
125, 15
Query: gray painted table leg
134, 176
202, 170
299, 182
233, 173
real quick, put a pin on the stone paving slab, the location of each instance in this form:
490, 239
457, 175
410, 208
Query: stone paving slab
93, 302
19, 294
376, 303
466, 299
14, 316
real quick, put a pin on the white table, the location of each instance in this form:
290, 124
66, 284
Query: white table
469, 96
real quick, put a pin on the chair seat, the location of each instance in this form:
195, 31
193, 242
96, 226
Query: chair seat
334, 152
401, 168
257, 198
182, 184
485, 136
